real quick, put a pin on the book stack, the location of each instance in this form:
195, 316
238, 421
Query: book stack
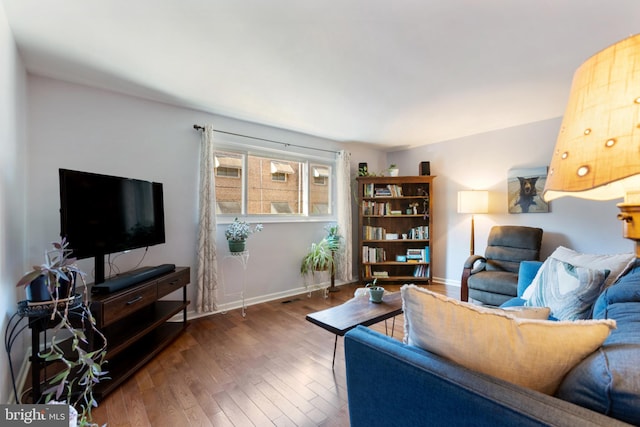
380, 274
382, 192
418, 255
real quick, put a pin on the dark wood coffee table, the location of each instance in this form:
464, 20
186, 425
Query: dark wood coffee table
357, 311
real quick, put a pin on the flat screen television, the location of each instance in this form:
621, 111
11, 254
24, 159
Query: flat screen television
102, 214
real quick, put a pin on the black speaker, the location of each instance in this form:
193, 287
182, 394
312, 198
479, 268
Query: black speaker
425, 168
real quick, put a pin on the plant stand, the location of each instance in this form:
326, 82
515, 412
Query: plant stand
333, 287
38, 316
243, 259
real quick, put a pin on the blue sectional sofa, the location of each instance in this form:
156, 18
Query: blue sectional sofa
393, 384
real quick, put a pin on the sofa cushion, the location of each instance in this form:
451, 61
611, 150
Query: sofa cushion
568, 290
521, 351
608, 381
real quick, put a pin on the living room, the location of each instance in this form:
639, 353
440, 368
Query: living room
48, 123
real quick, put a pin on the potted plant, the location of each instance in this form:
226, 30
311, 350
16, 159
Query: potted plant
321, 255
393, 170
78, 368
319, 258
55, 278
237, 234
375, 292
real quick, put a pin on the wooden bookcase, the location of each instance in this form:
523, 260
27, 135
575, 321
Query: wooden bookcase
386, 213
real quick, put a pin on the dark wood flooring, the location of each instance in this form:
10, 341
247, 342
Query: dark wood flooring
272, 368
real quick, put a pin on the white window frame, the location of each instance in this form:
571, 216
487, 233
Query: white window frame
307, 161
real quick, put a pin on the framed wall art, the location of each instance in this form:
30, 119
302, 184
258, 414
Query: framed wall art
524, 187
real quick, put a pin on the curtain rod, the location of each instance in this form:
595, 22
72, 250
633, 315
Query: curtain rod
286, 144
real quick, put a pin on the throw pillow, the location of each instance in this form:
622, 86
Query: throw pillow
617, 264
568, 290
523, 312
531, 353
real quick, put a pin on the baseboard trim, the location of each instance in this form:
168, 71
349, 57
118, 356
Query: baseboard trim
237, 304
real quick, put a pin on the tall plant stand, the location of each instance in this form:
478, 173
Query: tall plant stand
333, 287
243, 259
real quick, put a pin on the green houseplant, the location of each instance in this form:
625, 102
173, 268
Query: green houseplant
319, 258
238, 232
77, 368
322, 255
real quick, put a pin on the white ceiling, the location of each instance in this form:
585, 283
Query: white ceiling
391, 72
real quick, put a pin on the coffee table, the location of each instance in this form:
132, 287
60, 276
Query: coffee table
357, 311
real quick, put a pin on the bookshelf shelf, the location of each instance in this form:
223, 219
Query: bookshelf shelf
395, 222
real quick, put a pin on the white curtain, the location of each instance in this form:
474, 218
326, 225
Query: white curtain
343, 178
207, 261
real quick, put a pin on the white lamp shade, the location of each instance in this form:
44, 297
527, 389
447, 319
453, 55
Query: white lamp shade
597, 154
473, 201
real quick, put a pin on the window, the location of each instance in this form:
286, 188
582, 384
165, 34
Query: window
320, 175
319, 190
279, 177
228, 207
281, 208
228, 165
228, 183
267, 185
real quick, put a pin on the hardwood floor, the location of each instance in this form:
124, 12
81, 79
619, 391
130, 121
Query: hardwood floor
272, 368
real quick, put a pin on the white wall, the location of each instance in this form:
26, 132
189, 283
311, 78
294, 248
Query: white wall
482, 162
12, 189
78, 127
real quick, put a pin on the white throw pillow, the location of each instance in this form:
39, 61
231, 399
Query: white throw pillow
568, 290
617, 264
532, 353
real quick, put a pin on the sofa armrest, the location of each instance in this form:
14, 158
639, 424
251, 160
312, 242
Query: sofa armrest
393, 384
526, 273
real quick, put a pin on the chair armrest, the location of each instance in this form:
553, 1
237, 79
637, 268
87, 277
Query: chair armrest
467, 270
472, 260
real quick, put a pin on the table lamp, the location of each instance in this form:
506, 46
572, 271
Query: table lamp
597, 154
473, 202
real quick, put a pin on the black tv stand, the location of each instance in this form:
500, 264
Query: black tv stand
131, 278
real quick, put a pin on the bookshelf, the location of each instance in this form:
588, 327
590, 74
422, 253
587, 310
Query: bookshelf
395, 225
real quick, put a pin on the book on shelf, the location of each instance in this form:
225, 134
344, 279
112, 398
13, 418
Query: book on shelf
382, 192
371, 254
421, 271
395, 190
373, 233
368, 190
370, 207
419, 233
380, 274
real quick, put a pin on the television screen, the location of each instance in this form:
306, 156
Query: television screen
103, 214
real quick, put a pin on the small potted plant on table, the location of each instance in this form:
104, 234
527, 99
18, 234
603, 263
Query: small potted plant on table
375, 292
